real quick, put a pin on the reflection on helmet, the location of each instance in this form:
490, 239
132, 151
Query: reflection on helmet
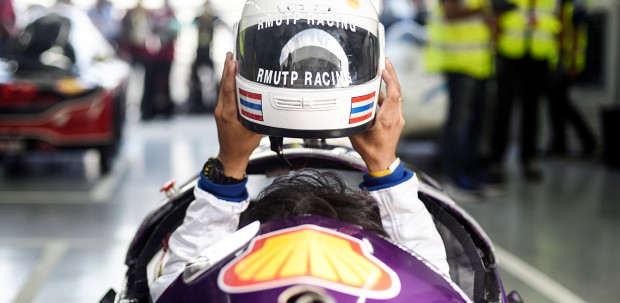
314, 49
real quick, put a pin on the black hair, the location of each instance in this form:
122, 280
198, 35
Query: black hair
314, 192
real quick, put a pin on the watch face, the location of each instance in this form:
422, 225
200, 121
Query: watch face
211, 168
214, 171
207, 169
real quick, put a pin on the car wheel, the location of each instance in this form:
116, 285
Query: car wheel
106, 159
108, 152
12, 164
106, 156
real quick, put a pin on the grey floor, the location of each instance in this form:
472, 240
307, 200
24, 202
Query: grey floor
565, 227
64, 229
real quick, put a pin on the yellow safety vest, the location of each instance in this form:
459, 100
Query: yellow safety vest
460, 46
568, 32
516, 37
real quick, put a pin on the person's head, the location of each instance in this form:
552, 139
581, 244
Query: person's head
314, 192
309, 69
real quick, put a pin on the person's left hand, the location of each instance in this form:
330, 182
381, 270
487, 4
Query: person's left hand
236, 142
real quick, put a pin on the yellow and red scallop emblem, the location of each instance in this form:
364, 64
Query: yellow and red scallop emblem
310, 255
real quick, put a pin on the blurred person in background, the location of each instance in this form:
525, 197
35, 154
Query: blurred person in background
7, 23
135, 32
526, 43
148, 39
421, 12
459, 46
205, 24
107, 19
394, 11
570, 62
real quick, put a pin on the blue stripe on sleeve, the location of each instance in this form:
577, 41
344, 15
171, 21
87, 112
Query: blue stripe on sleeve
398, 176
230, 192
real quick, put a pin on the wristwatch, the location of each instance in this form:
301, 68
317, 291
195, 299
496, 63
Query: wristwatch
214, 171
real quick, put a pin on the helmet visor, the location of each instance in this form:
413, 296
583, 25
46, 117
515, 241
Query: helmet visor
312, 51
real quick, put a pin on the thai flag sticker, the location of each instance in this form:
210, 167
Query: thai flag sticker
251, 105
361, 108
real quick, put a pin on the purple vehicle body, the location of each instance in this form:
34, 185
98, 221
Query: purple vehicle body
413, 280
473, 269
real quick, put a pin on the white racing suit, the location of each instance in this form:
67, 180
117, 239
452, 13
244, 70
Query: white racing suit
215, 214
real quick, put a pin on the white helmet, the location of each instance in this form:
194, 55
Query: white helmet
308, 69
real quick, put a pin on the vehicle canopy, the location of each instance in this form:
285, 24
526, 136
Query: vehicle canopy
310, 257
469, 250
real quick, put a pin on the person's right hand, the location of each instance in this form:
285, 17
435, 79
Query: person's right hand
377, 145
236, 142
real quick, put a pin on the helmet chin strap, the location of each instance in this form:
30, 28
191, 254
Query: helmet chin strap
276, 146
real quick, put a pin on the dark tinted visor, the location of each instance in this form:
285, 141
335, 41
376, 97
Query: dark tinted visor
312, 51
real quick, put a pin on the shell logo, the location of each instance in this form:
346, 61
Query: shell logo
310, 255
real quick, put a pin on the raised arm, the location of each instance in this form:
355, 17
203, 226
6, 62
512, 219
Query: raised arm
236, 142
215, 213
403, 215
377, 145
